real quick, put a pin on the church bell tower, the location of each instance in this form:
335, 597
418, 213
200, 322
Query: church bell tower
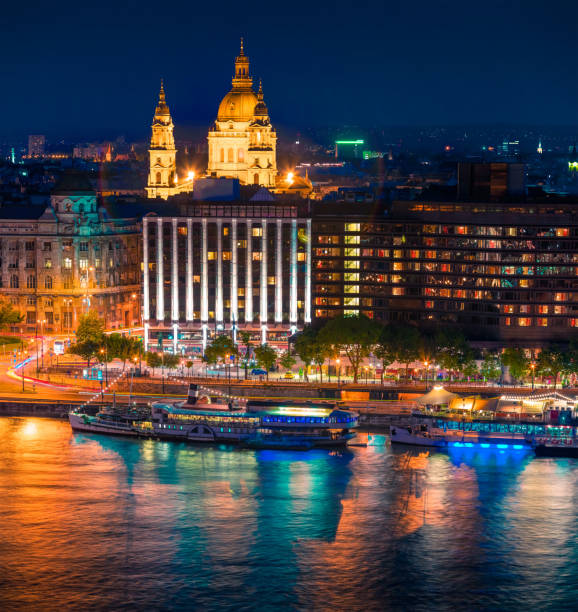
162, 181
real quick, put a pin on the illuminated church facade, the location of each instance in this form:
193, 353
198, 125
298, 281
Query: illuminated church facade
242, 143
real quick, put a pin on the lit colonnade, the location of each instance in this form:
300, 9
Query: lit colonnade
221, 268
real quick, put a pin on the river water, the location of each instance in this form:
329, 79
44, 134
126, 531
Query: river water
100, 523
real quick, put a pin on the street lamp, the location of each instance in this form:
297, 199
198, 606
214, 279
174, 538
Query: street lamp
426, 364
533, 367
338, 364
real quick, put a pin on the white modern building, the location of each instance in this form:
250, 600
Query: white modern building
226, 267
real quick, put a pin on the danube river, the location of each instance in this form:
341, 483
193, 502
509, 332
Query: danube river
96, 523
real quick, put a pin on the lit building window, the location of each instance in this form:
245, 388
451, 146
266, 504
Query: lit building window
67, 263
524, 322
257, 256
257, 232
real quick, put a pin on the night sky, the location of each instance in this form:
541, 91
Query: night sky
92, 69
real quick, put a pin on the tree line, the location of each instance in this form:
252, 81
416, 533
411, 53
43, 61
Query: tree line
359, 337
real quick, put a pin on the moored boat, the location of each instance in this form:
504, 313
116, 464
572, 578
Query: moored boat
258, 424
419, 436
104, 422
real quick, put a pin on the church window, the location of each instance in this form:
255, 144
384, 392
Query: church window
241, 155
48, 282
14, 282
222, 155
256, 179
31, 282
158, 177
230, 156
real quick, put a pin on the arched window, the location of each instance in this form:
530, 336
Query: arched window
48, 282
31, 282
230, 156
158, 178
241, 155
255, 179
14, 283
222, 155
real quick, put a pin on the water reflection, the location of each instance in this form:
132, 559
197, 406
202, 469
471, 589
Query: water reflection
103, 522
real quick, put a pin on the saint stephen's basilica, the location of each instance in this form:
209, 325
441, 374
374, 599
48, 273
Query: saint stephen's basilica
242, 143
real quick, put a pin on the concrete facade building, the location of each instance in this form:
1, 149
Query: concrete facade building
225, 267
60, 260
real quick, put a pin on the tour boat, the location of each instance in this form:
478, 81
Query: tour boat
258, 424
104, 422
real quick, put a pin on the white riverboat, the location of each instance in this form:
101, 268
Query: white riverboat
417, 436
104, 422
258, 424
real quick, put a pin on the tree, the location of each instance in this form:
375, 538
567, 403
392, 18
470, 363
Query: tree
453, 352
408, 345
552, 362
287, 360
221, 348
9, 316
87, 350
305, 347
246, 340
517, 362
90, 328
491, 367
153, 360
386, 347
398, 343
266, 357
354, 335
121, 347
189, 366
89, 337
170, 361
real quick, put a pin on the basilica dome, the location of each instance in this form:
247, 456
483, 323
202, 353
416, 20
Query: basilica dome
238, 106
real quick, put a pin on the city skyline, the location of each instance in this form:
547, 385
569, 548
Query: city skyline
388, 65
